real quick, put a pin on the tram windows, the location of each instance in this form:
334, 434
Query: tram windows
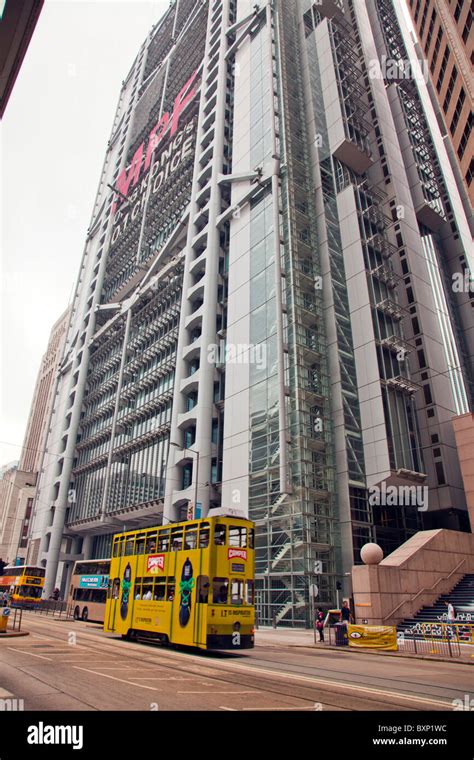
249, 591
118, 547
190, 537
176, 539
236, 591
147, 594
204, 535
251, 538
220, 590
151, 544
130, 546
159, 589
238, 536
137, 592
219, 534
170, 589
140, 544
202, 593
116, 588
164, 541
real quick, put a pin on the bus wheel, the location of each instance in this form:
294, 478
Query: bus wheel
85, 613
77, 613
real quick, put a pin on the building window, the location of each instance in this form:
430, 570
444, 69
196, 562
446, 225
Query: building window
444, 66
423, 20
187, 476
467, 27
449, 92
465, 137
440, 473
421, 359
427, 392
457, 111
470, 172
430, 29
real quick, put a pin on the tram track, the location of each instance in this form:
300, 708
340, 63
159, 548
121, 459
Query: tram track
257, 672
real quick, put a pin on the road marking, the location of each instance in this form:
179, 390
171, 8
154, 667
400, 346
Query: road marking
96, 662
253, 691
171, 678
40, 636
114, 678
243, 709
230, 709
25, 651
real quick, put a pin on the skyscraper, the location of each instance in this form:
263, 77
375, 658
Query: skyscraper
266, 316
444, 29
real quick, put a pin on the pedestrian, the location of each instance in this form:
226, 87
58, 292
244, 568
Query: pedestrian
451, 617
345, 615
320, 623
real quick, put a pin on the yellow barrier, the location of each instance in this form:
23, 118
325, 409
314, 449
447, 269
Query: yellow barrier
373, 637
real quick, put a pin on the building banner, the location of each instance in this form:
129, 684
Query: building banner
373, 637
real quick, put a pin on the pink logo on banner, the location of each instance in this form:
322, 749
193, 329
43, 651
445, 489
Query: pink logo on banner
156, 562
241, 553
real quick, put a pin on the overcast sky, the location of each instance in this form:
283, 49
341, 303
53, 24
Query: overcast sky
53, 140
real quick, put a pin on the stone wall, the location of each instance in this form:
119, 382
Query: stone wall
429, 564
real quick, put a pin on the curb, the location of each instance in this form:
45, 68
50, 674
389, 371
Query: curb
13, 634
408, 655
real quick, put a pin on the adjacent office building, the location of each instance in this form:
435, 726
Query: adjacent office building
265, 317
444, 30
17, 489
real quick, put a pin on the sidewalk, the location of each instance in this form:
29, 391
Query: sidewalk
292, 637
298, 637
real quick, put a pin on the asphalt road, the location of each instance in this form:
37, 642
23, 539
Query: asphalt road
67, 665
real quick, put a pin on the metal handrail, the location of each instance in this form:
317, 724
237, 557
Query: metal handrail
430, 588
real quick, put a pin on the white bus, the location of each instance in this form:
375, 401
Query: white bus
88, 591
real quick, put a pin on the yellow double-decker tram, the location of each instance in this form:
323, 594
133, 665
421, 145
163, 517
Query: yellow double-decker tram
188, 583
